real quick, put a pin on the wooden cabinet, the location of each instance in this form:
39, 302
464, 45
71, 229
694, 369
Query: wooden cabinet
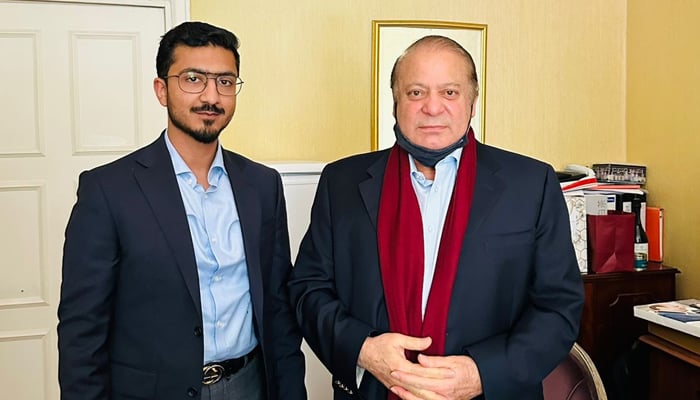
608, 326
673, 370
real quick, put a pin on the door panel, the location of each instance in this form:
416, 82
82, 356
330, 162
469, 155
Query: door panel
76, 93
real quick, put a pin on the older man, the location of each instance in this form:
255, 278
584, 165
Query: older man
441, 268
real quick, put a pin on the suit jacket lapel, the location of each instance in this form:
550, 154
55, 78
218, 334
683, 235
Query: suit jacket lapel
249, 213
371, 189
487, 190
489, 187
158, 183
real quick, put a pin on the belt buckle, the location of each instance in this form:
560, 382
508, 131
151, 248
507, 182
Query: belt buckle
212, 374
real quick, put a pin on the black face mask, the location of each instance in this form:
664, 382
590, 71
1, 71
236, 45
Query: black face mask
427, 157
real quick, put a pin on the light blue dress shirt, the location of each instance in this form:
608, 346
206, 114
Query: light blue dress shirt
217, 238
434, 199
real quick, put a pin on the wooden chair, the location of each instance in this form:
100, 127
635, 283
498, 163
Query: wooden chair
575, 378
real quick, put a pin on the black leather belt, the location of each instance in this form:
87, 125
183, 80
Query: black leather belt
214, 371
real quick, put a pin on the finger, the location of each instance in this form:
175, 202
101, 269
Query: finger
416, 394
403, 393
435, 361
423, 377
436, 367
415, 343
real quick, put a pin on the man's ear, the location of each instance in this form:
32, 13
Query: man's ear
394, 110
161, 90
474, 105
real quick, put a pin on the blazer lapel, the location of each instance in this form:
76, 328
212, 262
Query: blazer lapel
487, 190
371, 189
158, 183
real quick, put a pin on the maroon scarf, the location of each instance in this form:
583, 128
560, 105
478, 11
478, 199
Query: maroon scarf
400, 240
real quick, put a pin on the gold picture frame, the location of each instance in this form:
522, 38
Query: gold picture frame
390, 39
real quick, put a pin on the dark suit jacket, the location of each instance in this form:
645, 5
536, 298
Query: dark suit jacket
130, 312
517, 296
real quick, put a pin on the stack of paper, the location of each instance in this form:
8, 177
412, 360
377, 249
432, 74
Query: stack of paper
681, 315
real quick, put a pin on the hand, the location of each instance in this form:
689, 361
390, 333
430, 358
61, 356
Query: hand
380, 355
438, 378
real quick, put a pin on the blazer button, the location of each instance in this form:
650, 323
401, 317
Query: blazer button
192, 392
198, 331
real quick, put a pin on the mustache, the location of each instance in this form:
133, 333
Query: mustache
208, 108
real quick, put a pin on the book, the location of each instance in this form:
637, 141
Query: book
576, 177
655, 233
613, 186
621, 200
611, 198
582, 183
596, 204
681, 315
620, 172
576, 206
628, 190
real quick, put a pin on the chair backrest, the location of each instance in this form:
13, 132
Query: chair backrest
575, 378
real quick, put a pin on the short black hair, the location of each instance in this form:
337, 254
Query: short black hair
194, 34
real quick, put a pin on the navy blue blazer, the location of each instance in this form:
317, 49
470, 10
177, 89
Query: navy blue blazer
130, 319
518, 293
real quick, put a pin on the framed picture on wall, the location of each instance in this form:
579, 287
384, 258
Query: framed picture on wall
390, 39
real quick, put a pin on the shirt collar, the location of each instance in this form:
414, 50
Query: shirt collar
181, 167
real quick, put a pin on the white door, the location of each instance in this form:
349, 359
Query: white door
75, 92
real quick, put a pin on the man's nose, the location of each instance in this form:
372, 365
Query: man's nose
210, 94
433, 104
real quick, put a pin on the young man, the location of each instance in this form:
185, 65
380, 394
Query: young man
177, 255
441, 268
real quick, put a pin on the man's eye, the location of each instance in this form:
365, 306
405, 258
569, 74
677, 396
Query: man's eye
193, 78
223, 81
414, 93
451, 92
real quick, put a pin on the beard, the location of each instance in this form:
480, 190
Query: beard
207, 134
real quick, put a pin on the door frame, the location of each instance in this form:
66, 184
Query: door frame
176, 11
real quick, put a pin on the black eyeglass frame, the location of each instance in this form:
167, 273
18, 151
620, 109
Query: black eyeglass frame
238, 82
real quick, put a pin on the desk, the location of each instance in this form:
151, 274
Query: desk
674, 372
608, 326
674, 350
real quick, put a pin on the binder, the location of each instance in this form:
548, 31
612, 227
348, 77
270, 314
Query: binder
655, 233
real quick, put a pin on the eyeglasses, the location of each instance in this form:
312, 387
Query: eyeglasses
196, 82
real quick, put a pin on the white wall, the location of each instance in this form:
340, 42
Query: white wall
300, 181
